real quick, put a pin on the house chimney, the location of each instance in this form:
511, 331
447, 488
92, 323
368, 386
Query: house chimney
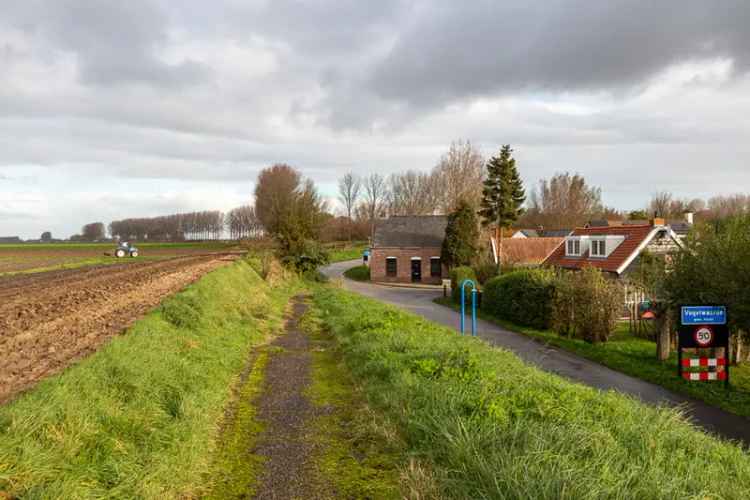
658, 221
689, 217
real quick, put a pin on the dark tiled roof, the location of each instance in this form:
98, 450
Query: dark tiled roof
634, 236
529, 233
411, 231
554, 233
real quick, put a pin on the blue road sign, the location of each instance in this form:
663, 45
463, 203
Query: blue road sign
704, 315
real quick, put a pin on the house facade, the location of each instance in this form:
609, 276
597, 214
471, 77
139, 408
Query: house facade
616, 250
406, 249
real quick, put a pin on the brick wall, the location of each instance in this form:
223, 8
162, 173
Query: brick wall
404, 259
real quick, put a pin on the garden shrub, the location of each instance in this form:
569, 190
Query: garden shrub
458, 275
485, 271
587, 305
524, 297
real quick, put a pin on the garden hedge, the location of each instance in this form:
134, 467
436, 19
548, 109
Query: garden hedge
524, 297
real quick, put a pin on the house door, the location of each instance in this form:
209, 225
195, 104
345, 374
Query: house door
416, 271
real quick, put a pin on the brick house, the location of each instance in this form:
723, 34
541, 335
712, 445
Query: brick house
406, 249
615, 250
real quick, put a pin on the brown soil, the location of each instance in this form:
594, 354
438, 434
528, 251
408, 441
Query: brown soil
50, 320
285, 410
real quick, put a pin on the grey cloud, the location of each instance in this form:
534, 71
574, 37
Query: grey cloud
458, 50
115, 42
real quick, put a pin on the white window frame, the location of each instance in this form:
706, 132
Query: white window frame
595, 246
575, 244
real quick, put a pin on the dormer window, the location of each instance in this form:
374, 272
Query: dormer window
598, 248
573, 247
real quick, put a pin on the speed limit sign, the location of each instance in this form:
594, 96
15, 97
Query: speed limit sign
703, 336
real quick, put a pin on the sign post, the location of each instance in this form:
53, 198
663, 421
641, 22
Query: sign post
703, 327
473, 306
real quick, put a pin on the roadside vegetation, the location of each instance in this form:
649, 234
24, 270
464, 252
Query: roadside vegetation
137, 419
358, 273
351, 251
479, 423
635, 356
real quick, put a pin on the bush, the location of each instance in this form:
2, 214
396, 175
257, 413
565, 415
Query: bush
304, 256
524, 297
485, 271
587, 305
458, 275
358, 273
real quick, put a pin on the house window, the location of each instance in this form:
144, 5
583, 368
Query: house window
573, 247
436, 267
391, 266
598, 248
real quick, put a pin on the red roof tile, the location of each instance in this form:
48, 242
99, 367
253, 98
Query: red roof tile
634, 236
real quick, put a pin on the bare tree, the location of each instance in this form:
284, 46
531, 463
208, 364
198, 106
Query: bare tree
564, 201
661, 204
412, 193
721, 207
94, 231
376, 194
349, 187
459, 175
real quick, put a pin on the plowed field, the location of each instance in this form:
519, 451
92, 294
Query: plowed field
49, 320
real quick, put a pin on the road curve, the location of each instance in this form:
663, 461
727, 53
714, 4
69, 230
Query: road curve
551, 359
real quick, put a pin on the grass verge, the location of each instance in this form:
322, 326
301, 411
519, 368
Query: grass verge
637, 357
358, 273
348, 253
138, 418
356, 451
486, 425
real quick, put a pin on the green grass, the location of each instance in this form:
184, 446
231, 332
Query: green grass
480, 423
637, 357
356, 451
138, 419
349, 253
359, 273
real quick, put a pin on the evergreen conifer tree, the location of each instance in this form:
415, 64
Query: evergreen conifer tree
461, 236
503, 194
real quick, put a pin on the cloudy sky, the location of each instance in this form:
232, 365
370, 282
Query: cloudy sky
112, 109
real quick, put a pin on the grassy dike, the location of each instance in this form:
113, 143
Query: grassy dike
477, 422
138, 419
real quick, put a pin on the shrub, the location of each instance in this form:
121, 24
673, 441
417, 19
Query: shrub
458, 275
304, 256
358, 273
587, 305
524, 297
485, 271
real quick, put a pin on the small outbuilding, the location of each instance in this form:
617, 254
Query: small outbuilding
406, 249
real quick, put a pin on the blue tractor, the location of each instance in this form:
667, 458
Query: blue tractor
125, 249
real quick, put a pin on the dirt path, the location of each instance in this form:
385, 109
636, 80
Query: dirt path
286, 411
48, 321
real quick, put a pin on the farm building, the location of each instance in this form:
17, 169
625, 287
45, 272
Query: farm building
614, 249
406, 249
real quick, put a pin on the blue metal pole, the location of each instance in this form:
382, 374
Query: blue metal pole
463, 307
474, 311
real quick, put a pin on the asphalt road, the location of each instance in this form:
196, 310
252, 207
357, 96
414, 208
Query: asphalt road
551, 359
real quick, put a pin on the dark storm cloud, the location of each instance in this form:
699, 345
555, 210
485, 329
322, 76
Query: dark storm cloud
114, 42
455, 50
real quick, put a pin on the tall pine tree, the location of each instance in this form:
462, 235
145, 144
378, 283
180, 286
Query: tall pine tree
503, 194
461, 236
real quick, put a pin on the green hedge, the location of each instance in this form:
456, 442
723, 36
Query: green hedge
458, 275
358, 273
524, 297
